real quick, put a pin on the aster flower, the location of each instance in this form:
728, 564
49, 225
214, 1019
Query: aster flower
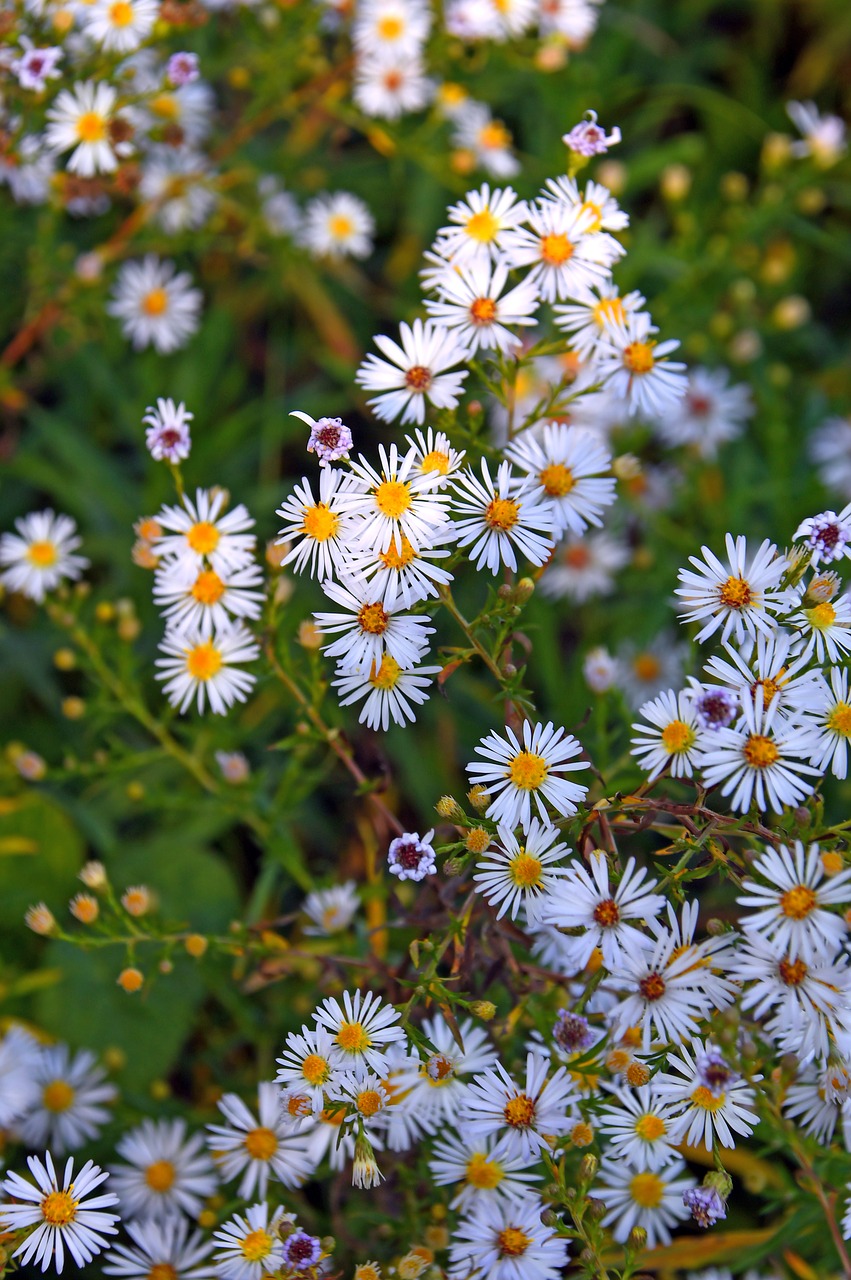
478, 223
488, 139
337, 226
400, 26
411, 857
331, 910
395, 504
205, 668
436, 1086
207, 601
36, 66
182, 68
675, 739
472, 302
362, 1028
825, 629
738, 597
62, 1211
827, 534
389, 84
506, 1240
635, 366
495, 516
589, 139
156, 304
329, 439
321, 526
638, 1128
200, 534
309, 1063
521, 1115
564, 464
588, 902
708, 1097
257, 1149
167, 437
482, 1170
650, 1199
790, 911
40, 555
415, 373
68, 1109
78, 121
586, 320
370, 627
249, 1247
829, 716
584, 567
301, 1251
776, 664
166, 1172
710, 413
514, 772
119, 26
823, 135
564, 258
522, 873
706, 1205
169, 1245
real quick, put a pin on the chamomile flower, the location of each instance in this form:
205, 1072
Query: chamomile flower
168, 1248
258, 1149
207, 601
156, 304
200, 533
738, 597
167, 435
331, 910
319, 527
707, 1096
482, 1170
790, 911
565, 260
205, 668
588, 902
478, 225
362, 1029
79, 121
369, 628
62, 1212
575, 21
761, 761
825, 629
493, 516
584, 567
337, 226
506, 1240
309, 1063
634, 366
414, 374
69, 1109
673, 741
638, 1128
166, 1173
400, 26
394, 503
564, 465
40, 555
249, 1248
710, 413
586, 321
521, 1115
521, 873
363, 1095
514, 771
389, 84
646, 1198
119, 26
472, 302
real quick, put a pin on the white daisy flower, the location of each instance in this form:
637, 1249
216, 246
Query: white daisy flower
675, 739
168, 1245
415, 373
514, 772
737, 597
409, 575
823, 135
389, 84
362, 1029
362, 1094
321, 527
708, 1097
119, 26
79, 121
203, 668
337, 226
472, 303
791, 911
829, 717
506, 1240
250, 1248
19, 1053
309, 1063
435, 455
488, 139
199, 533
166, 1173
40, 555
774, 664
62, 1211
638, 1128
208, 601
389, 692
176, 180
521, 873
156, 304
167, 436
400, 26
820, 1100
520, 1115
825, 629
576, 21
331, 910
482, 1170
497, 515
564, 465
587, 321
761, 761
258, 1149
394, 503
652, 1200
645, 671
582, 568
566, 260
710, 413
588, 902
478, 223
634, 366
370, 627
69, 1108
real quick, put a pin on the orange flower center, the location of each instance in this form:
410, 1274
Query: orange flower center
760, 752
607, 913
373, 619
792, 973
418, 378
839, 720
155, 303
261, 1143
513, 1242
352, 1038
677, 737
736, 593
121, 14
556, 249
57, 1096
204, 661
638, 357
483, 1173
203, 537
649, 1127
527, 770
315, 1069
369, 1102
395, 559
797, 903
58, 1208
208, 588
652, 987
525, 870
502, 514
91, 127
707, 1100
160, 1175
392, 498
42, 554
482, 226
519, 1112
437, 461
647, 667
320, 523
557, 479
483, 311
340, 226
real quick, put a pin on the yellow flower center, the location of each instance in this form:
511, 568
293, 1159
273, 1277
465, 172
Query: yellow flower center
203, 537
557, 479
792, 973
822, 616
395, 559
677, 737
609, 309
736, 593
649, 1127
340, 226
556, 249
208, 588
519, 1112
256, 1246
760, 752
390, 27
418, 377
647, 1190
839, 720
647, 666
42, 554
483, 1173
607, 913
638, 357
437, 461
315, 1069
369, 1101
261, 1143
166, 106
392, 498
798, 902
527, 770
320, 523
483, 311
204, 661
155, 303
387, 675
482, 226
373, 619
58, 1208
525, 870
707, 1100
163, 1271
595, 222
513, 1242
91, 127
160, 1175
352, 1038
494, 136
57, 1096
121, 14
502, 514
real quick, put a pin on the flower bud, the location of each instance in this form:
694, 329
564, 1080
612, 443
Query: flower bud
484, 1009
448, 807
